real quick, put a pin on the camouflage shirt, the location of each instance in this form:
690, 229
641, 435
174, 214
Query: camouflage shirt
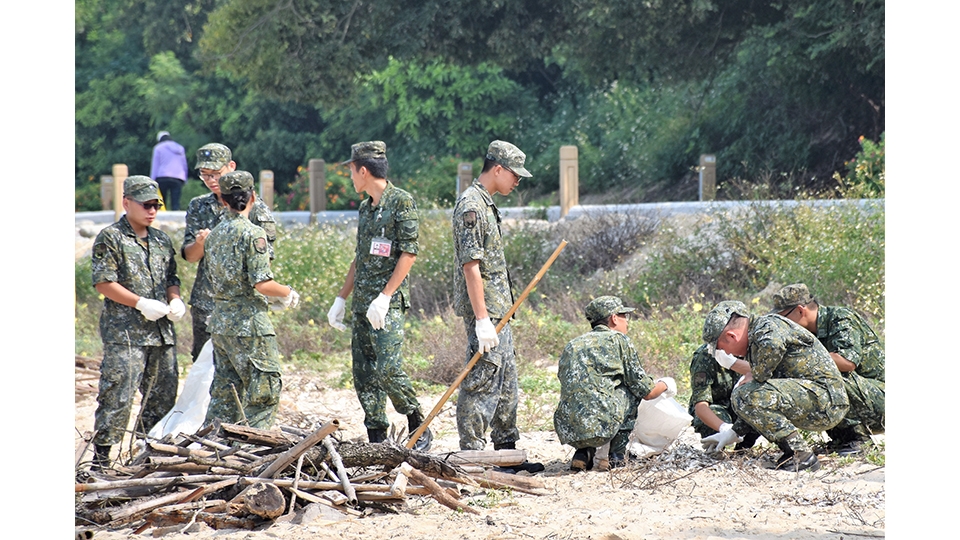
477, 236
395, 219
146, 267
843, 331
596, 372
709, 382
782, 349
205, 212
237, 255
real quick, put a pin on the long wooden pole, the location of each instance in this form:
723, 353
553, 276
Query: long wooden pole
473, 361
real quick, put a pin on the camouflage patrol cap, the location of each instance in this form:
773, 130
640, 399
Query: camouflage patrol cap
213, 156
509, 156
791, 296
367, 150
140, 188
602, 307
235, 182
719, 316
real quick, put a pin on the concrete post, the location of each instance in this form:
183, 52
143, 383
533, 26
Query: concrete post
464, 176
318, 188
106, 191
708, 177
120, 173
569, 179
266, 188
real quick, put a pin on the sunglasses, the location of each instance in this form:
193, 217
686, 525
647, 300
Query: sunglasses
149, 205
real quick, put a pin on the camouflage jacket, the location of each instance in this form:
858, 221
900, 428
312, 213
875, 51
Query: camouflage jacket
205, 212
782, 349
397, 220
237, 255
844, 331
709, 382
146, 267
477, 236
596, 372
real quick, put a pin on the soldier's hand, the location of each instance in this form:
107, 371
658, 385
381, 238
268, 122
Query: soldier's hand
292, 299
177, 310
153, 310
486, 335
336, 313
724, 358
724, 437
671, 386
377, 312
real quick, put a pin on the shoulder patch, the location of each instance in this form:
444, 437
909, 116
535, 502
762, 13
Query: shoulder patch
260, 244
469, 219
99, 250
699, 378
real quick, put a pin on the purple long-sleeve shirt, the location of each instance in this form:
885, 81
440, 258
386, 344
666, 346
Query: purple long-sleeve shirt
169, 160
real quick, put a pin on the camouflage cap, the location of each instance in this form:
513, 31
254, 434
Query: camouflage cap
719, 316
213, 156
140, 188
367, 150
235, 181
509, 156
602, 307
791, 296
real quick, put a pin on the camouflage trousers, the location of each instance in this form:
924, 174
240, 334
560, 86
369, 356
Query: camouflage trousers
488, 394
125, 369
378, 369
200, 335
867, 408
621, 428
724, 413
778, 407
249, 365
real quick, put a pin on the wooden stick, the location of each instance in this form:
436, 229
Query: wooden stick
439, 493
292, 454
476, 357
148, 482
498, 458
341, 471
296, 484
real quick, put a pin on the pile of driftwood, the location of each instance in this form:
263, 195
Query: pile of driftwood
232, 476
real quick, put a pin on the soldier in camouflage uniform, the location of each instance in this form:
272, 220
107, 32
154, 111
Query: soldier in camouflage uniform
246, 358
711, 386
858, 354
789, 381
135, 270
482, 296
203, 214
601, 385
387, 231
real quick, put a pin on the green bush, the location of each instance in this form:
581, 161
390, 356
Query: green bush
866, 172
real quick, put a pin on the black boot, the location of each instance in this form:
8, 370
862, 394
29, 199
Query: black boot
749, 440
796, 455
414, 420
376, 435
101, 457
512, 445
583, 459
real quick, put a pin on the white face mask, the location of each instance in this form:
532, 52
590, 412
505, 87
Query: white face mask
724, 358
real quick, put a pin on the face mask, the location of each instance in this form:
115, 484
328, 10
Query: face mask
724, 358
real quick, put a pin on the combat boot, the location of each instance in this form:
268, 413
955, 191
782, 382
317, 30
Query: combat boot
796, 456
101, 457
376, 435
414, 420
583, 459
749, 440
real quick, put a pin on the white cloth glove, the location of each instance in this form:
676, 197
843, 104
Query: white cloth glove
177, 310
487, 335
724, 358
377, 312
671, 386
336, 313
724, 437
153, 310
292, 299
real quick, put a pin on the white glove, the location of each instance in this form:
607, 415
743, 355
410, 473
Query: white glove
153, 310
724, 358
177, 310
487, 335
292, 299
336, 313
671, 386
724, 437
377, 312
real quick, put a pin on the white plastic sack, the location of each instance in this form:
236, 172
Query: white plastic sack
191, 408
659, 422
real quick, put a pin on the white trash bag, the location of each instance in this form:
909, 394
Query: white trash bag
191, 408
659, 422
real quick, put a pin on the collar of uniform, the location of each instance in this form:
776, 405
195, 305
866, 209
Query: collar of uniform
483, 192
127, 229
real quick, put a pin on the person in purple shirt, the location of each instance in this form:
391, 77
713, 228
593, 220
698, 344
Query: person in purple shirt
169, 169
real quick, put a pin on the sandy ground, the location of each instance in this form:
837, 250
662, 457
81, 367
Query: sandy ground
680, 494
